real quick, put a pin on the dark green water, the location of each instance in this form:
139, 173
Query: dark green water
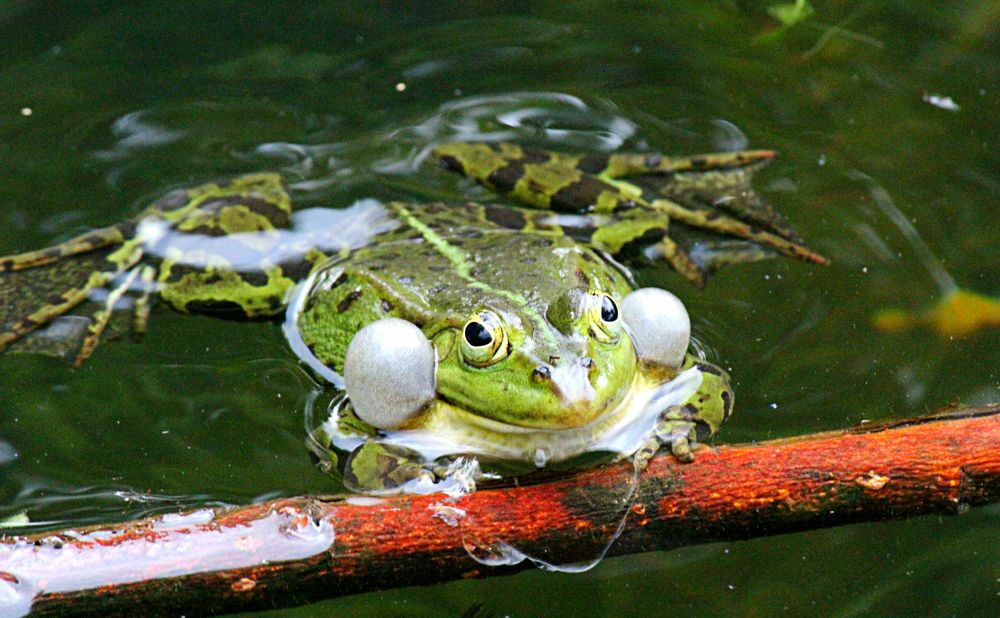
131, 99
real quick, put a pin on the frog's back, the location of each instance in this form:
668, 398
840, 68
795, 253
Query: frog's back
440, 277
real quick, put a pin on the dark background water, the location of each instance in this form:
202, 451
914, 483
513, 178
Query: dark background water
131, 99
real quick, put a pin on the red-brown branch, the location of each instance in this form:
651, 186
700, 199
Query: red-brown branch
297, 550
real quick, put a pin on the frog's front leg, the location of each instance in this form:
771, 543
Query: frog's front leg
693, 421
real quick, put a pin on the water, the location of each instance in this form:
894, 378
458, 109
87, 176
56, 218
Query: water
108, 105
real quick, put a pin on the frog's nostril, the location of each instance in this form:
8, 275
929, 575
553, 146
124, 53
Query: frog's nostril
587, 363
541, 373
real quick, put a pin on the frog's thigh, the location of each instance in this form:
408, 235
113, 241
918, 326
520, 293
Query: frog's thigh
225, 291
374, 465
712, 403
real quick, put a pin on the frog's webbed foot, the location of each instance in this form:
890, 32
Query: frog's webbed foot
140, 310
708, 219
719, 180
695, 190
643, 193
376, 467
40, 286
677, 428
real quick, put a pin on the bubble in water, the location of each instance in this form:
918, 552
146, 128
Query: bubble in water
449, 514
728, 136
497, 553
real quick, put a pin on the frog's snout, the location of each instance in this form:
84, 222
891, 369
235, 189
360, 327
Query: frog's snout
570, 381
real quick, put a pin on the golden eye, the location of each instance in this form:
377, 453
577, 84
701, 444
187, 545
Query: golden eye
604, 317
484, 340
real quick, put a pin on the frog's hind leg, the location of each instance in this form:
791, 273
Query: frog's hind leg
707, 219
56, 306
714, 180
143, 304
39, 286
85, 243
100, 318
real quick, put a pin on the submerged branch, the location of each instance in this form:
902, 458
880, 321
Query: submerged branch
292, 551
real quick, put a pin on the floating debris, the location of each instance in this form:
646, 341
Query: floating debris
957, 314
942, 102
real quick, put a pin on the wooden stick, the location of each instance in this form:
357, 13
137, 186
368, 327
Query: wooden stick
293, 551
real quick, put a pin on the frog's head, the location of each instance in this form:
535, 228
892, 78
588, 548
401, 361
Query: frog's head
515, 364
536, 366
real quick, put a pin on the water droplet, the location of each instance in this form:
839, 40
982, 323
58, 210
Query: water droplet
451, 515
497, 553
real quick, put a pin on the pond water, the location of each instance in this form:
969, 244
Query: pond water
886, 118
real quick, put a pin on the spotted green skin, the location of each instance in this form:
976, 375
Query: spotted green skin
643, 197
246, 212
444, 264
436, 265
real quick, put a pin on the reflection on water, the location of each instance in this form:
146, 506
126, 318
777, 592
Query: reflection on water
958, 312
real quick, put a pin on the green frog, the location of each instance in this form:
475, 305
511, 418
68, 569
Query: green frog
462, 333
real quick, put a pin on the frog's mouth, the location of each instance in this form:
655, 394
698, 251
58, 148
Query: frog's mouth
446, 430
568, 388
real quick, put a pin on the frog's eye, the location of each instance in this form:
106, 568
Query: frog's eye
484, 340
659, 326
604, 317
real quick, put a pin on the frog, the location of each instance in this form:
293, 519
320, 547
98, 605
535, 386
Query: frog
462, 333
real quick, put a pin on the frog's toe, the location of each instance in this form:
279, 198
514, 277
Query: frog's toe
103, 316
677, 429
681, 448
709, 219
680, 261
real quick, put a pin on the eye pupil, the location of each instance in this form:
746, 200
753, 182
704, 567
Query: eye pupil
477, 335
609, 310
